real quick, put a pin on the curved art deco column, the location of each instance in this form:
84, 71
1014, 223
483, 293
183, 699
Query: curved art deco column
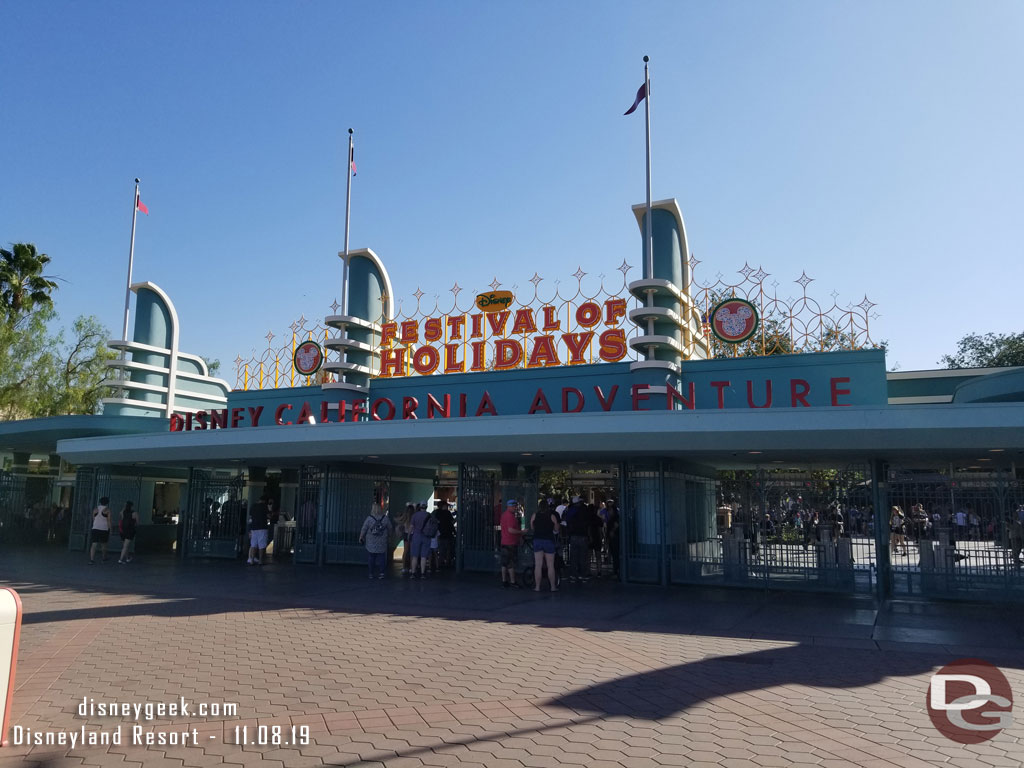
156, 378
670, 324
370, 302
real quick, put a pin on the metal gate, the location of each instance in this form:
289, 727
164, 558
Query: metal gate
954, 537
308, 515
12, 508
642, 522
347, 499
215, 519
476, 543
118, 488
82, 503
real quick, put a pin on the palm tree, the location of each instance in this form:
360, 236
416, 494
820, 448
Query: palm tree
23, 286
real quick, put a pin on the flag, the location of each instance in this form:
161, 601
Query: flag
640, 96
141, 205
352, 159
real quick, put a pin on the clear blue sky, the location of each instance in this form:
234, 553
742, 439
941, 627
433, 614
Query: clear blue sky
876, 145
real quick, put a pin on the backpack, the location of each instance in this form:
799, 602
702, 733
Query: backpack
379, 527
430, 526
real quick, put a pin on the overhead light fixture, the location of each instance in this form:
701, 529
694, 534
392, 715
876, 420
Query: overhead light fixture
526, 454
996, 450
754, 452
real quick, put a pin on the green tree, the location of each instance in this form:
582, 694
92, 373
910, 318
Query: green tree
988, 350
23, 286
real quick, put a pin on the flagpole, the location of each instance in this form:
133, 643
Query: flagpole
348, 216
131, 259
647, 112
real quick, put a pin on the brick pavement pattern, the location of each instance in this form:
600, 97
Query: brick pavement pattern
458, 672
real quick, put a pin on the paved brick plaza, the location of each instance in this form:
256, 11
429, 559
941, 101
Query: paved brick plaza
460, 672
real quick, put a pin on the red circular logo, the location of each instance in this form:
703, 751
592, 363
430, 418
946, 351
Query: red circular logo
734, 320
970, 701
308, 358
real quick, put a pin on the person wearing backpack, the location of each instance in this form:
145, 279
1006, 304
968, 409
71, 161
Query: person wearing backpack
424, 528
375, 533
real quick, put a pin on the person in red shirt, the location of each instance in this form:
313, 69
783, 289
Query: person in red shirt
511, 533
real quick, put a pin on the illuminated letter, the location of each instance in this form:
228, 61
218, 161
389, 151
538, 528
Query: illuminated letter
497, 322
524, 321
544, 352
478, 326
410, 331
388, 332
588, 314
508, 353
613, 345
432, 329
613, 310
550, 321
392, 362
577, 344
452, 364
425, 360
455, 326
479, 359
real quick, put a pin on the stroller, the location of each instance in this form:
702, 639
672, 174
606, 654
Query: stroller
526, 562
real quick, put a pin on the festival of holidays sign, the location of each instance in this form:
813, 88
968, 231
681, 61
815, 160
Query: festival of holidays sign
500, 337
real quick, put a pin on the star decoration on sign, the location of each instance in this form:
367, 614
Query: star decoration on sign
495, 285
418, 294
835, 295
238, 361
455, 289
294, 327
746, 271
866, 305
694, 261
334, 306
760, 275
536, 279
804, 280
579, 274
269, 337
624, 268
302, 320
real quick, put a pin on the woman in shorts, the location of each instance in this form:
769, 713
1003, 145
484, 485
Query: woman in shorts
100, 529
544, 524
129, 522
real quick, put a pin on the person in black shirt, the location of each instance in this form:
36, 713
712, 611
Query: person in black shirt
577, 522
259, 522
545, 526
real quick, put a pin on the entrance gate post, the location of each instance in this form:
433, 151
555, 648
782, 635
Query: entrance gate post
880, 500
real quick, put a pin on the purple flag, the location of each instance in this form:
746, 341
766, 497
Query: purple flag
640, 96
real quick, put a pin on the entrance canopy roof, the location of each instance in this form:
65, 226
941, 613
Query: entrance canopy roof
968, 432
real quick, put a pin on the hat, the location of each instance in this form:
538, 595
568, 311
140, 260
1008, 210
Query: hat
422, 505
576, 499
510, 503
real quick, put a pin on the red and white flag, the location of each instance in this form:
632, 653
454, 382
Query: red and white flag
141, 205
640, 96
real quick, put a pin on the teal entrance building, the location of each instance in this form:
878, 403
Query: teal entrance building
745, 440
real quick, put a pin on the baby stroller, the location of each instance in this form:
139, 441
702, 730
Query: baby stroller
526, 562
